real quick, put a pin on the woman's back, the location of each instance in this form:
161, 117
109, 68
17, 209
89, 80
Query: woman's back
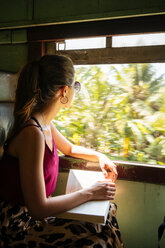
10, 186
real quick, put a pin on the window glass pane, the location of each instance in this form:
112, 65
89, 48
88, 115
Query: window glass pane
120, 111
87, 43
138, 40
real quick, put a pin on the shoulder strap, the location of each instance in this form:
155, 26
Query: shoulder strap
34, 119
27, 125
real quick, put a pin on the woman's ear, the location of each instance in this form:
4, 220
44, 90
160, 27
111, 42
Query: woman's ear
64, 90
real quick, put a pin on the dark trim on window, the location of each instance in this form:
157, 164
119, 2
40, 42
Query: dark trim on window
131, 25
131, 171
141, 172
117, 55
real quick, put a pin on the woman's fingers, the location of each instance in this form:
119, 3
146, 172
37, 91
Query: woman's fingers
103, 190
109, 190
108, 168
104, 172
115, 171
111, 174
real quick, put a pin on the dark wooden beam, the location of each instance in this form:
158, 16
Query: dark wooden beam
134, 25
150, 54
35, 50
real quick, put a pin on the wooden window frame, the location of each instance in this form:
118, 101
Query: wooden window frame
111, 55
42, 40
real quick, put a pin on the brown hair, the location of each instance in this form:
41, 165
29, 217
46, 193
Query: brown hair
38, 83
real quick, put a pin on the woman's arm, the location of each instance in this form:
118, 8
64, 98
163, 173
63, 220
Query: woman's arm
69, 149
31, 155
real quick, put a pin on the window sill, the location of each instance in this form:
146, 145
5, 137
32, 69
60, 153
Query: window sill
131, 171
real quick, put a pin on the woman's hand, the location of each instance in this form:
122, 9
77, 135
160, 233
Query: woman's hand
108, 167
102, 190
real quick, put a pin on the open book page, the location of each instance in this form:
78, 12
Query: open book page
92, 211
79, 179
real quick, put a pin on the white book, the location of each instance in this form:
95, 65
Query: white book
92, 211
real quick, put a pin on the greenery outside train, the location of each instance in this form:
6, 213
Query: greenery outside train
120, 111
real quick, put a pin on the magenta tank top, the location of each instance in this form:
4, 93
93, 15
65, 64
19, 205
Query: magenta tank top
10, 187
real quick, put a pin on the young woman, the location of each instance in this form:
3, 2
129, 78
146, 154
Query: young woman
29, 167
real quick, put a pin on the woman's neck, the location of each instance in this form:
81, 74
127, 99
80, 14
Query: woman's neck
46, 116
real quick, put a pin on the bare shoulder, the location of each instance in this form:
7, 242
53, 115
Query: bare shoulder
30, 139
31, 132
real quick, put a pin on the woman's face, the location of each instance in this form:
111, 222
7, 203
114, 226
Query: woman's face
70, 95
76, 86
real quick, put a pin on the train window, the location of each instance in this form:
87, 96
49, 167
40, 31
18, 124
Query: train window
120, 110
85, 43
138, 40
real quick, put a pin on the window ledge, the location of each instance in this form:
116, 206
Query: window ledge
132, 171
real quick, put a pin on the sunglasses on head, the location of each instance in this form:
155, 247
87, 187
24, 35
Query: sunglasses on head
77, 86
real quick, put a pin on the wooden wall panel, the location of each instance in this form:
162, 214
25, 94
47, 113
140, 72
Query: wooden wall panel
26, 13
13, 57
63, 9
132, 6
13, 11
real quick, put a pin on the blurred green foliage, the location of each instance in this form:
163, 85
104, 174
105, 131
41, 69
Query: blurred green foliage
120, 111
